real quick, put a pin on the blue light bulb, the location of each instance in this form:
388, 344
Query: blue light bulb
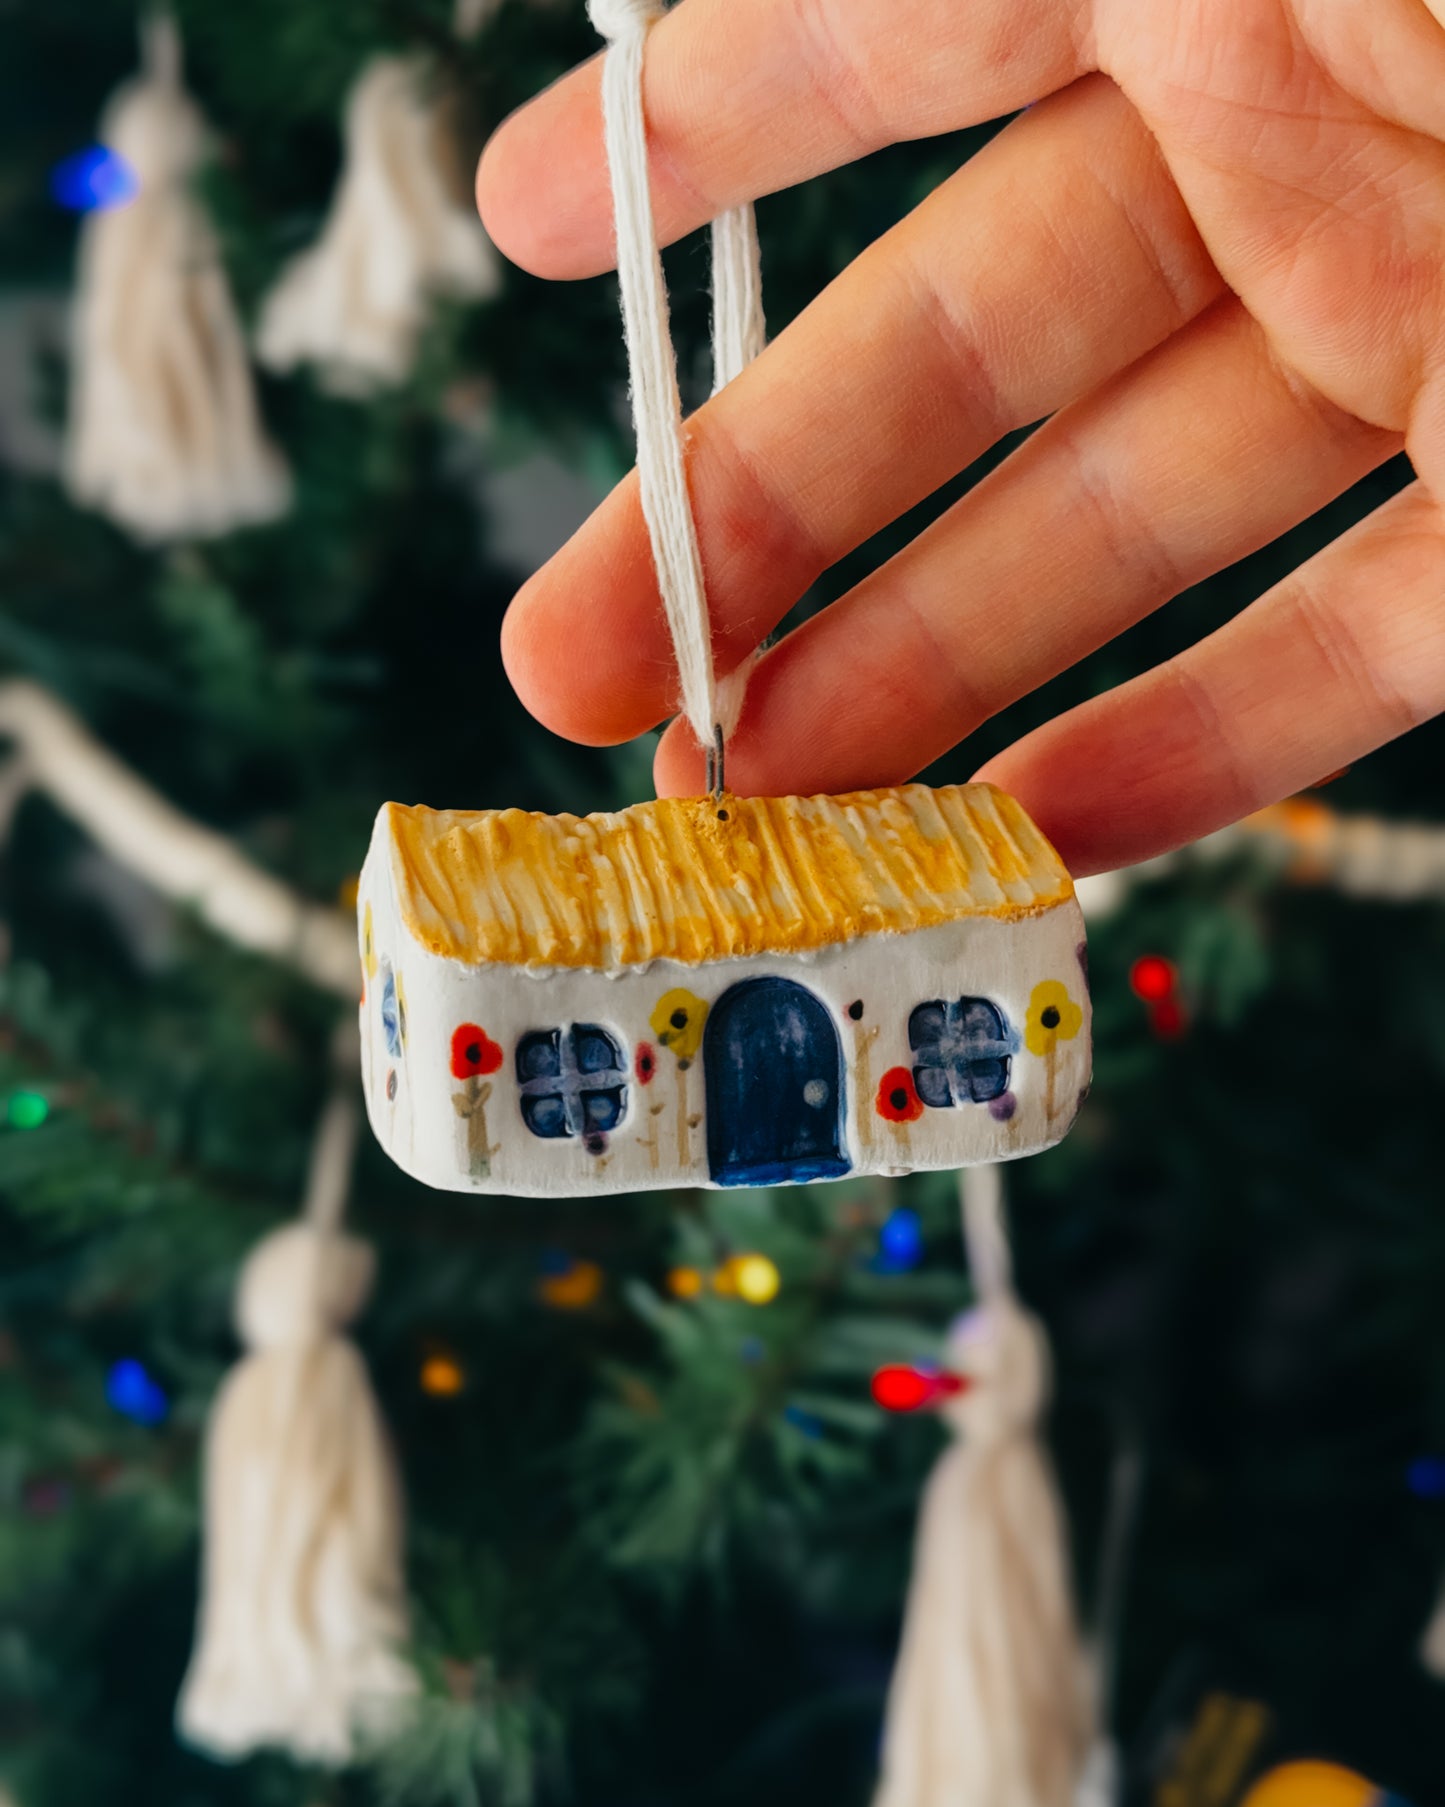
131, 1391
803, 1420
1425, 1477
900, 1241
94, 179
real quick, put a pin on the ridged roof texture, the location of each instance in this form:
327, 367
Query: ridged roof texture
671, 881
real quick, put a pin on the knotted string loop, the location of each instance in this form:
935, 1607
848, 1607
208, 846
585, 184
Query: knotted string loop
616, 19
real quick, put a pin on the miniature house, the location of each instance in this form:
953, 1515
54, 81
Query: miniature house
741, 993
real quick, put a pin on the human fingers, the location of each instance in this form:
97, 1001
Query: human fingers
744, 97
1326, 217
1053, 259
1192, 458
1343, 655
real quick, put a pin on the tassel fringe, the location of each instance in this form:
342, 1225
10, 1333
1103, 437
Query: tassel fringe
303, 1609
164, 433
355, 304
989, 1705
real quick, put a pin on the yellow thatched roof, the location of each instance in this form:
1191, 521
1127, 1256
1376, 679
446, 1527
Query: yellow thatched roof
670, 881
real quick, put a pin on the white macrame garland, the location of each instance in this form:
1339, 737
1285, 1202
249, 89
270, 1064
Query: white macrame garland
990, 1700
711, 708
398, 235
303, 1602
164, 435
138, 828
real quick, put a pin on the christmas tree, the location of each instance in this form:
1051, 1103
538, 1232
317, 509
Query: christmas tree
659, 1529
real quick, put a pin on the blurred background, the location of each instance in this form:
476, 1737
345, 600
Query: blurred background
658, 1531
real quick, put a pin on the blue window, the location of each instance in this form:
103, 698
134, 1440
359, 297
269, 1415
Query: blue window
393, 1014
573, 1081
961, 1051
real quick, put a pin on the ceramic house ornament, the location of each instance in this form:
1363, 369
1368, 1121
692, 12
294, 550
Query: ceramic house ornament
716, 991
751, 992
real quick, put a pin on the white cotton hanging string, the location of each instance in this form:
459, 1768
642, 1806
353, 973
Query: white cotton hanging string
989, 1703
656, 403
739, 330
160, 42
469, 16
164, 434
1432, 1645
985, 1236
303, 1606
1099, 1785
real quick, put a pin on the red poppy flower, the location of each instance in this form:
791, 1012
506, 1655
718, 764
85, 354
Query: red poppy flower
898, 1099
473, 1052
645, 1063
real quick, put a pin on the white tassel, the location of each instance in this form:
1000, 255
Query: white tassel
988, 1706
1432, 1645
991, 1702
1099, 1785
356, 302
303, 1607
164, 433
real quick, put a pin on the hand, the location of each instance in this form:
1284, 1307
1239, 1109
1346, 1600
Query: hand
1214, 255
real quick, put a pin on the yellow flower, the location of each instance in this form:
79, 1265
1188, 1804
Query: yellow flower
678, 1022
1053, 1017
368, 944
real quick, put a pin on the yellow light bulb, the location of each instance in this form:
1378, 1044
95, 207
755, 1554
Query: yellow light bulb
441, 1376
573, 1289
1311, 1785
755, 1278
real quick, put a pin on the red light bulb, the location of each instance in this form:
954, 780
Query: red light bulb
1153, 978
898, 1388
1167, 1019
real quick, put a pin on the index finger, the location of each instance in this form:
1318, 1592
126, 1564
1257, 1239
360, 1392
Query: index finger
744, 97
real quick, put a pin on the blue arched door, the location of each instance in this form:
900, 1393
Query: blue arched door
774, 1071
